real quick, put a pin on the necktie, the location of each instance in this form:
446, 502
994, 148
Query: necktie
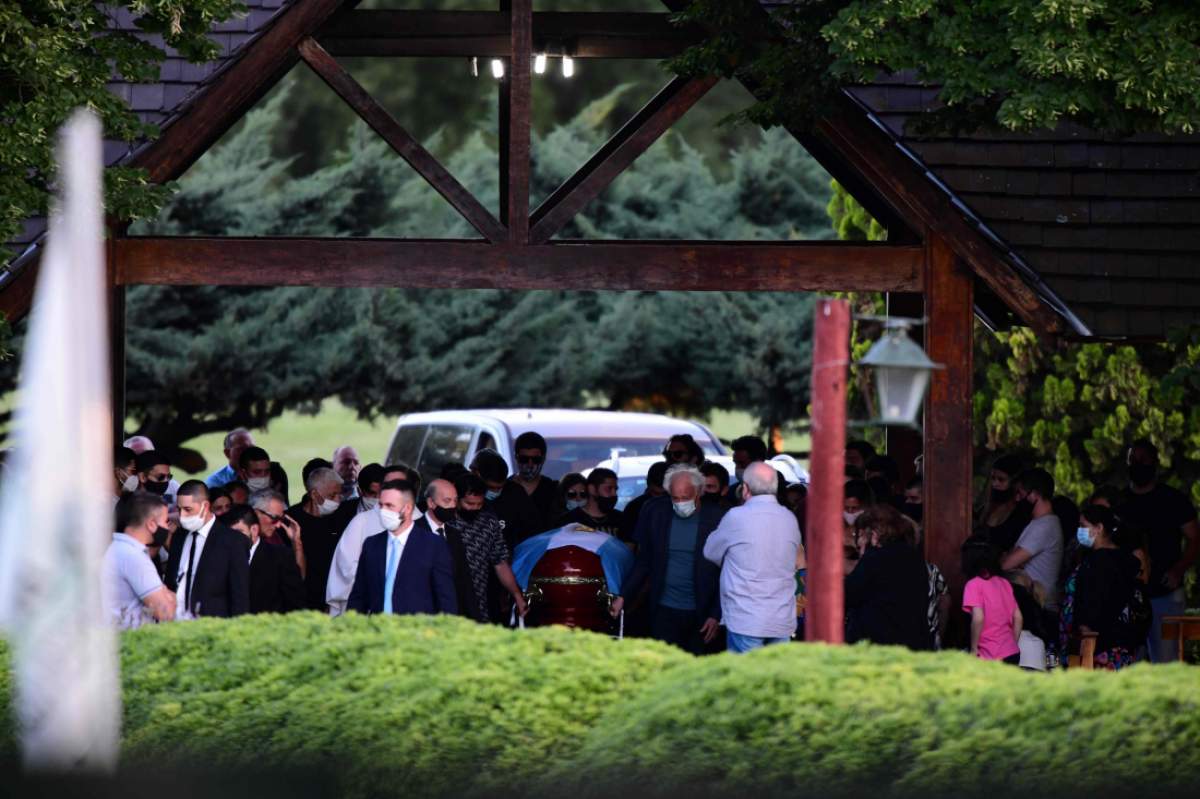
390, 582
187, 585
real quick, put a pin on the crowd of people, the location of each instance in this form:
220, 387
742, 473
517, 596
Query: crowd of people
718, 559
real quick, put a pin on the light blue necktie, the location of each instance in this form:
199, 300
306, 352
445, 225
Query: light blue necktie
390, 581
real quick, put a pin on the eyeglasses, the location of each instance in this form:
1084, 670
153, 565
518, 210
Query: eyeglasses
154, 479
269, 515
576, 495
534, 459
677, 454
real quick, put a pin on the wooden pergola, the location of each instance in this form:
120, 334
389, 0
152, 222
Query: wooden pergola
930, 264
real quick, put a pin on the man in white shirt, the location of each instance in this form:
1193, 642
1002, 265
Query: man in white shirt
755, 545
131, 590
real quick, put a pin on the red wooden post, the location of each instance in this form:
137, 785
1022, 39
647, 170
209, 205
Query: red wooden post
825, 615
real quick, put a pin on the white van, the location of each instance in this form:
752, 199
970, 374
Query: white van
577, 440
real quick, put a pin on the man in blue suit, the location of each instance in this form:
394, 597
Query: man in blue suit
406, 568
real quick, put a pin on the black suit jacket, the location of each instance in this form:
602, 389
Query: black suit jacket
424, 576
221, 585
653, 537
464, 588
275, 584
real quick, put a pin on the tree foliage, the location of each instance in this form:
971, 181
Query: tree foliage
59, 55
206, 358
1112, 65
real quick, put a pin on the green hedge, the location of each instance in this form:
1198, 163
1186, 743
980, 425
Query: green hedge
444, 707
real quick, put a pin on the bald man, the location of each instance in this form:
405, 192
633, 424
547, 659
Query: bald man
755, 545
345, 463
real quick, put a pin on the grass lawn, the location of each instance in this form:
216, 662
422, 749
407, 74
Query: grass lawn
293, 438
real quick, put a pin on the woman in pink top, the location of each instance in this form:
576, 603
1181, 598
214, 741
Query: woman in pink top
988, 597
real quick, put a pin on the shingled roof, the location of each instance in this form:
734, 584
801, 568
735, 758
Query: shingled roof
1111, 226
1106, 232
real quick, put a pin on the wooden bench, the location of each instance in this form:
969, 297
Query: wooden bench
1182, 629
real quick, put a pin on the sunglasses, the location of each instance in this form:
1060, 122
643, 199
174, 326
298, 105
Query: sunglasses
576, 494
270, 516
677, 454
534, 459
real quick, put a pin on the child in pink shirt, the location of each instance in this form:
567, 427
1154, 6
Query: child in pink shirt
988, 597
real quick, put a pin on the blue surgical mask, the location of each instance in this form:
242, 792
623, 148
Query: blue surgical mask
1084, 537
492, 495
575, 504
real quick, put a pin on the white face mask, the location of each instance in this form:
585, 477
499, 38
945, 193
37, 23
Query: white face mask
191, 523
684, 509
130, 484
575, 504
390, 518
327, 507
258, 483
370, 502
850, 517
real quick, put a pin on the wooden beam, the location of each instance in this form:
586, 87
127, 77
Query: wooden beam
615, 156
520, 101
486, 34
600, 265
16, 292
948, 442
233, 91
407, 147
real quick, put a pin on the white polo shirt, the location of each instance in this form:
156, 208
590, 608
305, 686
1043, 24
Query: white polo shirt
127, 577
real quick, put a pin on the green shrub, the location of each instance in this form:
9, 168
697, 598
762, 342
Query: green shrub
443, 707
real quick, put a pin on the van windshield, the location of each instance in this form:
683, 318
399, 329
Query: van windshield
578, 454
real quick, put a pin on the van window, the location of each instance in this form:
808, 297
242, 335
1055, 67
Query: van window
486, 441
406, 444
444, 444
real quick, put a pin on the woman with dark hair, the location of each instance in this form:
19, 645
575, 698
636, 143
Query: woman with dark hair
887, 593
1108, 599
572, 492
1003, 517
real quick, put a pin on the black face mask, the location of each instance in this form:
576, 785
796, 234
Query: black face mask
1001, 495
155, 487
1142, 474
443, 515
606, 504
160, 536
913, 510
468, 515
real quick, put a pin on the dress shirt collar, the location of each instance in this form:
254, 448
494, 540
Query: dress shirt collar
207, 527
253, 547
400, 534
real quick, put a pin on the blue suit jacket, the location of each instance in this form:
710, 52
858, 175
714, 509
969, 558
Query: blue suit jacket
424, 576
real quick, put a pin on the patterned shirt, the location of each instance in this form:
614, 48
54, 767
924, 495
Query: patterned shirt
937, 589
483, 541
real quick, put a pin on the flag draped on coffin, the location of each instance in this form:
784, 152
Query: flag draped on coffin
53, 534
615, 557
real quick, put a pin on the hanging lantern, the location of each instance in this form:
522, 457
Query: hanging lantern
901, 370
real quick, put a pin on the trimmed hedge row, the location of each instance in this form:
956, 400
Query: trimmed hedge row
443, 707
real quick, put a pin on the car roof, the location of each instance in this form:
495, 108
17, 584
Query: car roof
554, 422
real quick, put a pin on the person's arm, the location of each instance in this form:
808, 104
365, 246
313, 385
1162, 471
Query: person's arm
239, 577
1018, 622
160, 603
718, 543
358, 590
1191, 532
1016, 558
291, 529
504, 574
976, 629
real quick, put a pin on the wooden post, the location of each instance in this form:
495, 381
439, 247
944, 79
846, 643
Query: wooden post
825, 615
515, 106
948, 460
116, 340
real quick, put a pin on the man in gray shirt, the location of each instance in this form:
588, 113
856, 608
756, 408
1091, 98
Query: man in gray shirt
1039, 550
132, 591
755, 546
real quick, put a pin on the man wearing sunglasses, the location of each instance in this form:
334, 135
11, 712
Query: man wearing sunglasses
682, 448
543, 491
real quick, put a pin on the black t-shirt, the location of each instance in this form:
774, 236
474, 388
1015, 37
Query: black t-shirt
1103, 592
516, 511
545, 500
608, 523
1159, 514
1005, 534
320, 536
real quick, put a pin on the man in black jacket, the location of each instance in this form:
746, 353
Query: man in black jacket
275, 583
685, 605
207, 567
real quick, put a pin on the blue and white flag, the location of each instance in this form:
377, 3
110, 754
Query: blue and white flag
615, 557
53, 533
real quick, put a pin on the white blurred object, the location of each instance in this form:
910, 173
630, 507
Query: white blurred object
52, 541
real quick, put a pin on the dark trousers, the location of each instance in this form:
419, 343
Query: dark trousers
678, 627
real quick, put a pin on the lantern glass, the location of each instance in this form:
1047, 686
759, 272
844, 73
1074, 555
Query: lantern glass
900, 391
